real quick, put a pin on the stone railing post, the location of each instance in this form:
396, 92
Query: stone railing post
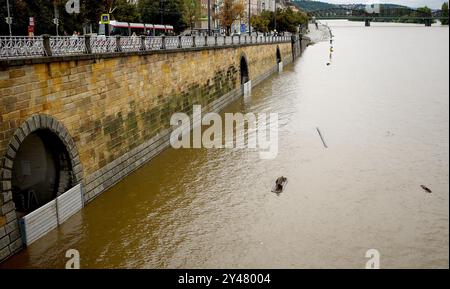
180, 42
87, 43
118, 44
193, 41
143, 48
215, 41
206, 40
47, 47
251, 39
240, 39
224, 40
232, 40
163, 42
245, 39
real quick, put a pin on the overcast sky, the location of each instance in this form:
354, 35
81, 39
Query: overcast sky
411, 3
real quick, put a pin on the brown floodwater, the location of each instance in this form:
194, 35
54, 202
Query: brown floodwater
383, 109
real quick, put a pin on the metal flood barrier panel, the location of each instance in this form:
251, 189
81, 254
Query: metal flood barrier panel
247, 88
69, 203
41, 221
280, 66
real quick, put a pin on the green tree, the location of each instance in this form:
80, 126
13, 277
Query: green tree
21, 10
445, 13
286, 20
423, 12
168, 12
230, 12
260, 23
89, 15
192, 11
43, 11
125, 11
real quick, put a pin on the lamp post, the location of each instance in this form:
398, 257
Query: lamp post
209, 17
216, 22
275, 16
161, 9
56, 20
249, 17
9, 19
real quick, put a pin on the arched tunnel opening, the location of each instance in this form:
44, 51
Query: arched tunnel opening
279, 60
244, 71
41, 171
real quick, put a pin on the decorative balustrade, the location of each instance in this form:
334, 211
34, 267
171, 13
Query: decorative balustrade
153, 43
67, 45
211, 41
199, 41
130, 44
103, 44
172, 42
28, 47
21, 47
187, 42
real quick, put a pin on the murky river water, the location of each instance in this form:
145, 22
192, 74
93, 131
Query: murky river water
382, 106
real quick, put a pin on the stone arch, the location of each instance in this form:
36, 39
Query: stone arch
244, 71
279, 58
40, 134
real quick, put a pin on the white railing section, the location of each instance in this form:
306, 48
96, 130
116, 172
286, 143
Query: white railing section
172, 43
187, 42
130, 44
21, 46
153, 43
102, 44
62, 45
41, 46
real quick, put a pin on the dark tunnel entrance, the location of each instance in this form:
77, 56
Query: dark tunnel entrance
41, 171
279, 60
244, 71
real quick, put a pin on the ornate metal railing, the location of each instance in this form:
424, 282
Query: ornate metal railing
199, 41
21, 47
153, 43
187, 42
130, 44
102, 44
172, 43
26, 47
67, 45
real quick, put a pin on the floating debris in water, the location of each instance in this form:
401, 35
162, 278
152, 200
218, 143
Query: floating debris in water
280, 185
426, 189
321, 137
389, 133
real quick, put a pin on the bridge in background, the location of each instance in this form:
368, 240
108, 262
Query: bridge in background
399, 15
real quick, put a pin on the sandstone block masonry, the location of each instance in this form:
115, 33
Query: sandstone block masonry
112, 112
